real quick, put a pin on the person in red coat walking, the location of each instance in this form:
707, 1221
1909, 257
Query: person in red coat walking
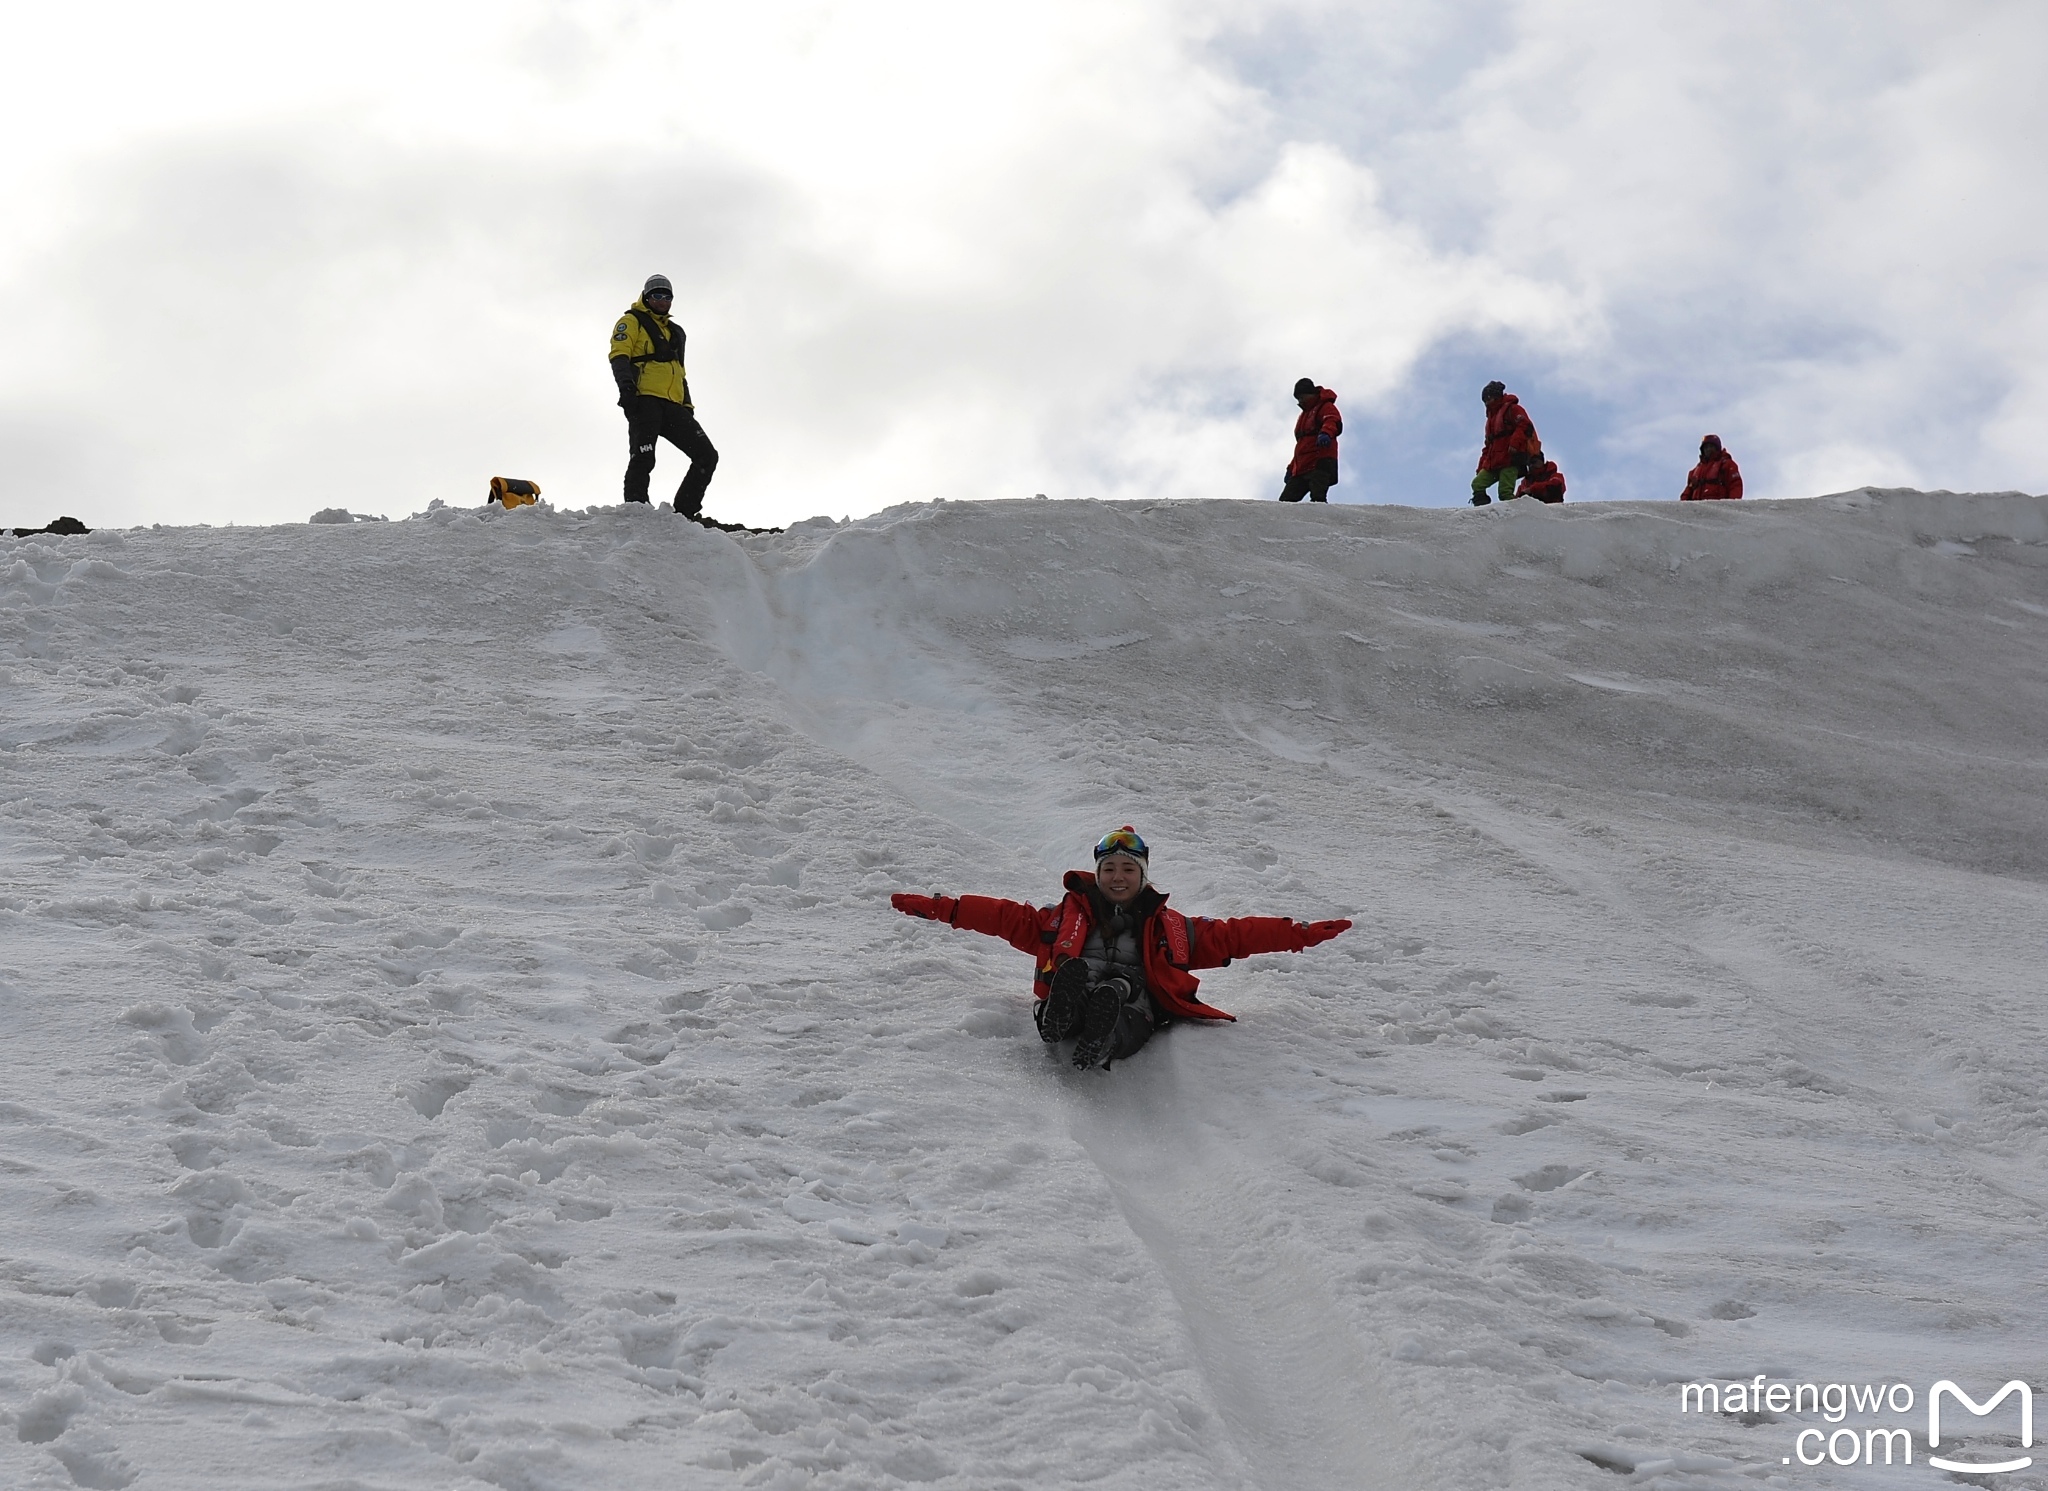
1115, 962
1313, 471
1512, 444
1717, 477
1545, 483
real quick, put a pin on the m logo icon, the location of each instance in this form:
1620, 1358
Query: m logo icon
1964, 1467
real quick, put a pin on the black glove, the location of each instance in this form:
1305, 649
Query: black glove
1323, 440
626, 376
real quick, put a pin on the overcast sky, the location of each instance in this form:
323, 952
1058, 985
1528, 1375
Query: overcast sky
261, 259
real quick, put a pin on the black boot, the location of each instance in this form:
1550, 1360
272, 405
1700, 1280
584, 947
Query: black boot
1098, 1022
1059, 1016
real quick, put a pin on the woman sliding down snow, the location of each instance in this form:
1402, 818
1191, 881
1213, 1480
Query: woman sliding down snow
1113, 960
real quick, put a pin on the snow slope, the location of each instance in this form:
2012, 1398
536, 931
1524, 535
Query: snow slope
456, 1034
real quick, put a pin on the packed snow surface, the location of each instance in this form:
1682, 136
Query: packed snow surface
456, 1034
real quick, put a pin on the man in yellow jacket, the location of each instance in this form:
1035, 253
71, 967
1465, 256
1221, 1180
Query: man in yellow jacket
647, 364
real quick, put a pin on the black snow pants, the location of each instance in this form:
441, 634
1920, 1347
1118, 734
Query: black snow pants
1314, 483
1135, 1023
651, 419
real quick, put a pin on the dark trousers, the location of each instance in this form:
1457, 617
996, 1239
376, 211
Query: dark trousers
649, 420
1135, 1023
1314, 483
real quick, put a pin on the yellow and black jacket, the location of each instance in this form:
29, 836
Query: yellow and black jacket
651, 349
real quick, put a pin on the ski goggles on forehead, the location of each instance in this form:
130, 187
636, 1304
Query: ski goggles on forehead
1122, 841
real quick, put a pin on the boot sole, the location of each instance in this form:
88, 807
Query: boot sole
1066, 1005
1105, 1003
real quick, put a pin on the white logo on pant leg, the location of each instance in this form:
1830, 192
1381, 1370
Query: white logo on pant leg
1979, 1411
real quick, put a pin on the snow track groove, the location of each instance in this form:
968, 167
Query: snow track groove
1291, 1380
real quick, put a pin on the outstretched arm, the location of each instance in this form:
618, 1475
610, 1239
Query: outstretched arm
1217, 942
1019, 925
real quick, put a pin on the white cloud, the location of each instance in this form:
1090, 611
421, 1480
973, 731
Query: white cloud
291, 259
1815, 225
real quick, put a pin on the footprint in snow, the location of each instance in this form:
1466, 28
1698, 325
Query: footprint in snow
1549, 1177
430, 1095
172, 1027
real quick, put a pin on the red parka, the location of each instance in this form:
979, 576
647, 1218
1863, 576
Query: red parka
1511, 438
1173, 945
1716, 477
1545, 483
1320, 418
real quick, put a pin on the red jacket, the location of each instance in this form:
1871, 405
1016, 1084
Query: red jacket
1545, 483
1715, 477
1321, 419
1173, 944
1511, 438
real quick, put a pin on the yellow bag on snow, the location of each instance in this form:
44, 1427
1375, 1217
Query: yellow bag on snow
512, 492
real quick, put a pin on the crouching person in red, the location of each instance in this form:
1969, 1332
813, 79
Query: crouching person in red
1115, 963
1544, 482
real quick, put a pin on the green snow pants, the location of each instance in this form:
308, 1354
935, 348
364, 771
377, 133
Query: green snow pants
1507, 476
